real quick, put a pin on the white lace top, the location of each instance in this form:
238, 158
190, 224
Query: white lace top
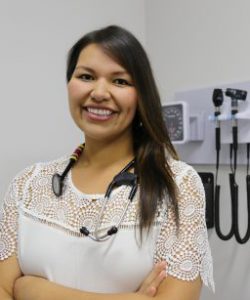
43, 231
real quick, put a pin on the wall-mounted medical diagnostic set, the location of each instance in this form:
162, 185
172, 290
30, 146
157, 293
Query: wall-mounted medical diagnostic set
212, 126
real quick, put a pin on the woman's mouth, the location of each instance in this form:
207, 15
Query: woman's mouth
98, 114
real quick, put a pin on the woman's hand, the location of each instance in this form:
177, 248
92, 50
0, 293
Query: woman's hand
153, 280
25, 286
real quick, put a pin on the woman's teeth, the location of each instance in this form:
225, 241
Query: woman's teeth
100, 112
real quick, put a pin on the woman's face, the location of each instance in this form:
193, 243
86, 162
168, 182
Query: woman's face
102, 97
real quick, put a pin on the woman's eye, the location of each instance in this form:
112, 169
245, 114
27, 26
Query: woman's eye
120, 81
86, 77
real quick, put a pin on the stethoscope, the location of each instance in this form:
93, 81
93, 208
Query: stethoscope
234, 188
124, 177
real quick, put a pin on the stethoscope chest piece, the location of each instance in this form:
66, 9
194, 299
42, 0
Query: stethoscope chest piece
57, 184
57, 179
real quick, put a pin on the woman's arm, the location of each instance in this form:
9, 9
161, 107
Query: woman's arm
35, 288
9, 273
15, 286
24, 286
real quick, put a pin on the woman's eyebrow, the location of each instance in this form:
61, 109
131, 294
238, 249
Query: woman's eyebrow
85, 68
118, 72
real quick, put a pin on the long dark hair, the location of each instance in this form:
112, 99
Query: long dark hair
151, 140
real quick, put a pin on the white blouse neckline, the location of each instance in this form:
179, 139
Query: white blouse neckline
87, 195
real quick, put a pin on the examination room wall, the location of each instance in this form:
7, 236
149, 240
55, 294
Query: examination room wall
195, 44
35, 124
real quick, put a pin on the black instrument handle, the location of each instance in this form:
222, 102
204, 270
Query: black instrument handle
217, 138
235, 137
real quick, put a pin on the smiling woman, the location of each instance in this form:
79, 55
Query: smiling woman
102, 98
122, 217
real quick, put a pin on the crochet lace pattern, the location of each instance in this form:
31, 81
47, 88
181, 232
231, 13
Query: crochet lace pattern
185, 249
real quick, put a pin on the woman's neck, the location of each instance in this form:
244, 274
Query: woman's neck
103, 154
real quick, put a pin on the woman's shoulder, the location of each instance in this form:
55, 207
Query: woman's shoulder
187, 179
52, 166
38, 168
180, 168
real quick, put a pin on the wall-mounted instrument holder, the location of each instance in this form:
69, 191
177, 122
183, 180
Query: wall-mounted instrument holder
220, 134
243, 118
197, 146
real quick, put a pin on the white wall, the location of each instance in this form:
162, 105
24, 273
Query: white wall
195, 44
35, 124
198, 43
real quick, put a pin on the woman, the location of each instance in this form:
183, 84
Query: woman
73, 243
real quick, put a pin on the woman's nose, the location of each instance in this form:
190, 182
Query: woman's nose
100, 91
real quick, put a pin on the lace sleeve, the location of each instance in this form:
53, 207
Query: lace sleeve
9, 214
186, 249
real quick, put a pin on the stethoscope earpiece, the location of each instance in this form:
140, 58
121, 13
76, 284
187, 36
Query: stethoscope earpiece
84, 231
112, 230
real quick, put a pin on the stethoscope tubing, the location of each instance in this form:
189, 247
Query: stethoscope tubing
122, 178
97, 238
